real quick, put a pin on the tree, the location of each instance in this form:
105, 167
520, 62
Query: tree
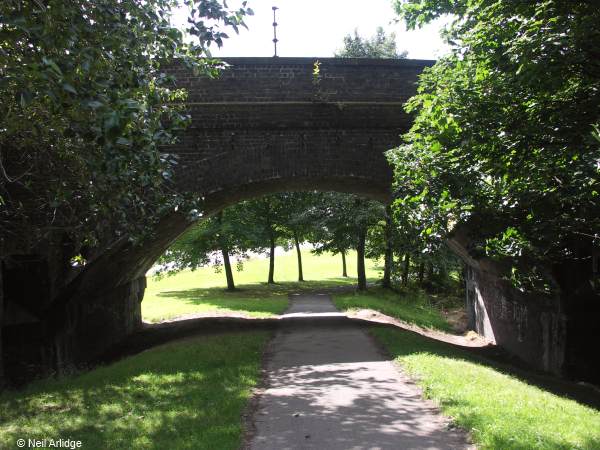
86, 108
378, 46
386, 282
263, 219
214, 240
331, 232
294, 222
256, 225
502, 138
341, 222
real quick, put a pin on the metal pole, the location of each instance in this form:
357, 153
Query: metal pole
275, 40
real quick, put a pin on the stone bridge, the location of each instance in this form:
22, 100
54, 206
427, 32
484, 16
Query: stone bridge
265, 125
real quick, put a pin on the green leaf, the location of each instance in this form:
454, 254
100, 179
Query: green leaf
69, 88
94, 104
123, 141
48, 62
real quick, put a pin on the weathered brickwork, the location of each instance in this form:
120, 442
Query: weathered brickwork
267, 124
291, 79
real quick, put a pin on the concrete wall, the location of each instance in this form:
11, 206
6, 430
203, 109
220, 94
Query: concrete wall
533, 329
556, 333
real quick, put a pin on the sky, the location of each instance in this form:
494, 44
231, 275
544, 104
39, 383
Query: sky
317, 28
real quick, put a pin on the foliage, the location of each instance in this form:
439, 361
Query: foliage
293, 219
380, 45
188, 394
402, 236
264, 216
430, 261
331, 221
337, 220
502, 138
499, 410
257, 225
86, 110
203, 243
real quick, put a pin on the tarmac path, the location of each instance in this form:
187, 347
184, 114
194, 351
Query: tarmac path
329, 387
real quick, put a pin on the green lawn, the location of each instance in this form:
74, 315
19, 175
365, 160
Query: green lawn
413, 307
203, 290
188, 394
500, 411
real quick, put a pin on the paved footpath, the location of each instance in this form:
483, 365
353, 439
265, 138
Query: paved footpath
329, 387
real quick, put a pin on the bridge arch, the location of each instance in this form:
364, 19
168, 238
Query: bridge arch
271, 123
267, 125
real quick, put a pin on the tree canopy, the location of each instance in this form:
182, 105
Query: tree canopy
86, 108
503, 132
381, 45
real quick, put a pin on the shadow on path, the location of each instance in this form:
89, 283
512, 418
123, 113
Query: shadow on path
328, 386
152, 335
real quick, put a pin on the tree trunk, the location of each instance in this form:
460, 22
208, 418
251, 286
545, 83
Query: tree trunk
344, 268
421, 274
225, 253
228, 272
430, 272
297, 243
405, 271
442, 272
462, 280
360, 260
272, 262
389, 250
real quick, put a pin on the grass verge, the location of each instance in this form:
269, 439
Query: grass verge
188, 394
412, 307
203, 290
500, 411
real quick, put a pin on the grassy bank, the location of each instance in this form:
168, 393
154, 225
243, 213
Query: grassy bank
203, 290
188, 394
413, 307
499, 410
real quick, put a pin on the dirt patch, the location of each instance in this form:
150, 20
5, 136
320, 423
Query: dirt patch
466, 340
458, 320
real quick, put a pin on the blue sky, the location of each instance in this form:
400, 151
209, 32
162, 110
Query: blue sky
317, 27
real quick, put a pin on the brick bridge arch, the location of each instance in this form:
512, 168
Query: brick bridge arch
269, 124
265, 125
